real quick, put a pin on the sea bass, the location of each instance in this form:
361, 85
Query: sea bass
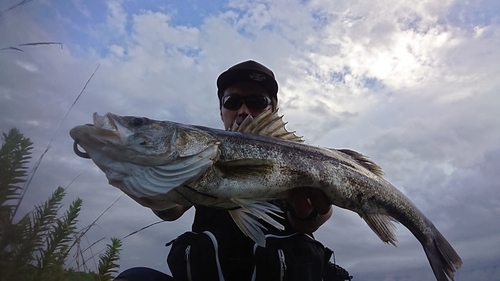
160, 164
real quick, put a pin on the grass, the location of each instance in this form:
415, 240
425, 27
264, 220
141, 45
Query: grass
38, 246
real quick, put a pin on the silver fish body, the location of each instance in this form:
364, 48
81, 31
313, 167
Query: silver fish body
161, 163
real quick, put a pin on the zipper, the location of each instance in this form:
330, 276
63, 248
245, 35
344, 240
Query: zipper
281, 256
188, 262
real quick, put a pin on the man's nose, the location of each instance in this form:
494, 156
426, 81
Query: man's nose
243, 110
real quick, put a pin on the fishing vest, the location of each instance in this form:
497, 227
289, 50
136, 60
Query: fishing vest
216, 249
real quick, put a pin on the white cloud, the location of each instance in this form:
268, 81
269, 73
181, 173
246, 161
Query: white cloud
80, 5
396, 80
117, 17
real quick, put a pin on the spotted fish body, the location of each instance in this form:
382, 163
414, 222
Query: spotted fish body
160, 164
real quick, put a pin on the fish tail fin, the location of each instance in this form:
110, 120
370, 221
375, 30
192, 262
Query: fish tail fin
443, 259
248, 215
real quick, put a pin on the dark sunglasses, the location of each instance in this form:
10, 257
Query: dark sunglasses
234, 102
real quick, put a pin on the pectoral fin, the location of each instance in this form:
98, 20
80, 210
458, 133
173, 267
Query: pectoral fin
245, 168
248, 215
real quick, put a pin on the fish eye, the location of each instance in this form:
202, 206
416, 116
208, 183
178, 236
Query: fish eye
139, 121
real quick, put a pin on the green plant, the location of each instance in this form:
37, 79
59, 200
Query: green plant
107, 261
37, 246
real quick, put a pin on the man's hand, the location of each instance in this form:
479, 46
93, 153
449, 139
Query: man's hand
304, 201
172, 213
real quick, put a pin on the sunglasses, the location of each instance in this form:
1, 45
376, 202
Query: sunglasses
234, 102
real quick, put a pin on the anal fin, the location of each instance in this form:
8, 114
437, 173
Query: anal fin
383, 226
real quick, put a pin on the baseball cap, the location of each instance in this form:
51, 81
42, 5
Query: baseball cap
251, 71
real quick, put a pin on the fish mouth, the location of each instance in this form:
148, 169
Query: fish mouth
105, 123
103, 126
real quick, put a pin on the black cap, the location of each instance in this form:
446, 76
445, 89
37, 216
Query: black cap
251, 71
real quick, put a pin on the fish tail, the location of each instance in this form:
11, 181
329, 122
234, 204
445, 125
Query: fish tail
442, 257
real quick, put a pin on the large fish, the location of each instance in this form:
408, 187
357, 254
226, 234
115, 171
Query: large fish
160, 164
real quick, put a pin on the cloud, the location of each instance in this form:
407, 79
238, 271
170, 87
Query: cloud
411, 84
117, 17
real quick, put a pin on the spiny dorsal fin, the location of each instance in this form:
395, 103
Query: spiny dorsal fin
364, 161
267, 124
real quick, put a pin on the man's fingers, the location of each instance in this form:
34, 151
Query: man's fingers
302, 206
319, 201
321, 205
306, 199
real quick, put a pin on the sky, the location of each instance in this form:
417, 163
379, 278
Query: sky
414, 85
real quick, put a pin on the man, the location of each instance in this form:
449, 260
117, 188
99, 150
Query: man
254, 81
247, 88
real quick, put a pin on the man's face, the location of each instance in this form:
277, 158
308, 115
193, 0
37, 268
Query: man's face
243, 89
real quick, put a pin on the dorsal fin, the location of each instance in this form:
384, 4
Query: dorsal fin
364, 161
266, 124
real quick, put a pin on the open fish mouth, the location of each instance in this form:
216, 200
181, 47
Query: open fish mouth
103, 125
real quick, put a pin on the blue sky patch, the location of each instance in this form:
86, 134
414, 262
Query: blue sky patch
474, 13
372, 83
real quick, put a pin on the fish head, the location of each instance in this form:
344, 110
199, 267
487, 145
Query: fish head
139, 140
145, 158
